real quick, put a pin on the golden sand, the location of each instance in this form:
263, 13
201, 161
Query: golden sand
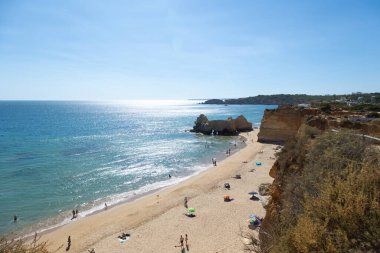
156, 221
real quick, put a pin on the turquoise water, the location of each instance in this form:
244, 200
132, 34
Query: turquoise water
59, 156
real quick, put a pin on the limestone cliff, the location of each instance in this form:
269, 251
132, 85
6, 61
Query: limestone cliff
222, 127
301, 129
279, 124
314, 173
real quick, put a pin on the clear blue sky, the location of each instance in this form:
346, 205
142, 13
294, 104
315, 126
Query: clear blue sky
97, 49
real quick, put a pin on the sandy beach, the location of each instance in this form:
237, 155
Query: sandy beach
156, 221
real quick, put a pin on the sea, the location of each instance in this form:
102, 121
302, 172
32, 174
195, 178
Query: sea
56, 156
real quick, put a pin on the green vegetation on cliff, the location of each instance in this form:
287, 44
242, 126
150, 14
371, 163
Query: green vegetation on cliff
293, 99
21, 246
326, 195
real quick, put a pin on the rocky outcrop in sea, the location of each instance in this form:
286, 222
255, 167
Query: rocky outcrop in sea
222, 127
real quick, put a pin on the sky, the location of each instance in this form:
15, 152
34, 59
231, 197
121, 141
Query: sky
173, 49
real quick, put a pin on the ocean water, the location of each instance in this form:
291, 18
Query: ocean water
59, 156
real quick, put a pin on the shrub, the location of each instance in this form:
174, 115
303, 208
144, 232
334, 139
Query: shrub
331, 201
21, 246
373, 115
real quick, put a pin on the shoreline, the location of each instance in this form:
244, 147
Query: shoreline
121, 199
103, 226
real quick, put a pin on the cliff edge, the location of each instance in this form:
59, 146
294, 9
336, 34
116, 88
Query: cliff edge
322, 179
278, 125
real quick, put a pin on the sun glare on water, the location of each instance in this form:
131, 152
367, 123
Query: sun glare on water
155, 102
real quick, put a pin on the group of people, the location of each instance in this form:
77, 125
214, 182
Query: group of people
75, 214
124, 236
182, 244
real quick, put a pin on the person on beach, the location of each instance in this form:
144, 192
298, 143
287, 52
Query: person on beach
76, 212
185, 202
181, 241
68, 243
170, 176
105, 206
74, 216
187, 245
214, 161
14, 218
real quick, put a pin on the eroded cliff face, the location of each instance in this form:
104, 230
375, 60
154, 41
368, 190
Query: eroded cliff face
315, 162
299, 128
280, 124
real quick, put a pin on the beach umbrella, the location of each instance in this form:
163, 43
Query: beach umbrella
191, 210
252, 193
252, 218
258, 163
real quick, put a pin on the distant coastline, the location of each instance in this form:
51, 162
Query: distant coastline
293, 99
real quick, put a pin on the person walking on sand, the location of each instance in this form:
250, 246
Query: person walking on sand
68, 243
73, 214
185, 202
181, 241
187, 245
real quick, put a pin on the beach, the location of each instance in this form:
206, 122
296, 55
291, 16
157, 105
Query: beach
157, 220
